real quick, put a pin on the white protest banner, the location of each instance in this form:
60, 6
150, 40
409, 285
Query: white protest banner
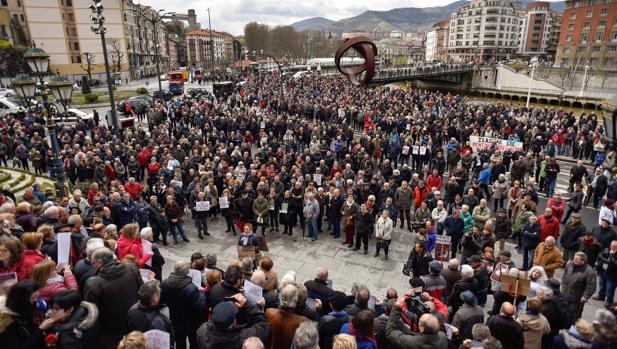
442, 247
317, 178
157, 339
145, 274
405, 150
195, 276
170, 165
201, 206
284, 207
147, 248
478, 143
64, 248
252, 292
422, 150
224, 202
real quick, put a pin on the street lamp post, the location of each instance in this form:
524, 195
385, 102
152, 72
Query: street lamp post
62, 89
154, 19
99, 28
584, 83
533, 63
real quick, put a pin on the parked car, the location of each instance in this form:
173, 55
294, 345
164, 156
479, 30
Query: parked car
6, 92
7, 107
163, 94
196, 91
145, 99
72, 117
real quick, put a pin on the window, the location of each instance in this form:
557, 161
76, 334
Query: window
573, 15
609, 61
582, 49
571, 26
566, 51
601, 24
584, 37
71, 18
69, 2
611, 48
614, 36
5, 3
604, 12
590, 13
76, 46
595, 49
599, 36
23, 19
587, 25
569, 37
18, 3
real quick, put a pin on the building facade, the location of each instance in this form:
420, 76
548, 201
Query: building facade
430, 45
588, 35
198, 48
140, 37
13, 24
62, 29
537, 31
391, 51
484, 31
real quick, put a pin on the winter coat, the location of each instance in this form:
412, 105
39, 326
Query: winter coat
402, 198
466, 316
383, 229
507, 330
571, 234
572, 340
56, 285
454, 227
82, 271
500, 189
578, 282
211, 337
28, 221
530, 237
471, 245
417, 264
157, 263
395, 335
550, 260
329, 326
288, 218
534, 327
127, 212
283, 325
611, 264
480, 216
145, 318
549, 227
187, 305
23, 267
17, 333
134, 247
80, 330
503, 228
260, 209
114, 290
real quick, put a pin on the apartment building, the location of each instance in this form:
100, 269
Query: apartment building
198, 48
484, 31
13, 25
588, 35
538, 27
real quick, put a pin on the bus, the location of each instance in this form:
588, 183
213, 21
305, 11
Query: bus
176, 82
197, 74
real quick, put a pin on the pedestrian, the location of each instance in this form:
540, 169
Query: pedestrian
578, 283
383, 233
607, 270
548, 256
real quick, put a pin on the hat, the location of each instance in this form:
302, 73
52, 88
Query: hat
224, 314
246, 191
416, 284
554, 284
434, 267
468, 297
505, 253
338, 300
576, 215
475, 258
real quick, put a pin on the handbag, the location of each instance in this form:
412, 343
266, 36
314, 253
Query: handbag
260, 220
263, 244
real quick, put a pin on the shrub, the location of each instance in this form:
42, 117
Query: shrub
142, 91
91, 97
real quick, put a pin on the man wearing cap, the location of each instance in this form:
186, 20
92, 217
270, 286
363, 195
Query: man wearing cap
571, 233
331, 323
434, 283
548, 256
604, 233
223, 332
467, 315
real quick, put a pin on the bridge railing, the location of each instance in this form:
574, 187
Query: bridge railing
397, 73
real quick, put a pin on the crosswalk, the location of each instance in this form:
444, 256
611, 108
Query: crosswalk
563, 178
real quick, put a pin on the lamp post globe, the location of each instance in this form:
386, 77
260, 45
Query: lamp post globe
38, 60
24, 86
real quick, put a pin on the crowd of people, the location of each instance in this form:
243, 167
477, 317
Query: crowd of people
362, 164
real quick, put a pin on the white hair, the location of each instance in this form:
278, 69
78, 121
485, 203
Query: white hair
466, 271
145, 233
93, 245
288, 278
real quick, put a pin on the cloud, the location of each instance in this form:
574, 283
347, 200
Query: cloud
232, 15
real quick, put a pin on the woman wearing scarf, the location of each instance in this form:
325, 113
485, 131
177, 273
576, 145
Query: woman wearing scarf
348, 211
362, 329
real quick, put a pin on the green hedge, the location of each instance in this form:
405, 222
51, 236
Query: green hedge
142, 91
91, 97
29, 183
4, 177
18, 180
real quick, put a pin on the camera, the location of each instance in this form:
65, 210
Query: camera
415, 305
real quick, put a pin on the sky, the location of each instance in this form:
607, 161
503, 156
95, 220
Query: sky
232, 15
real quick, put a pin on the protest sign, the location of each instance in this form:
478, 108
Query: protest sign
64, 248
147, 248
252, 292
157, 339
224, 202
195, 277
442, 247
479, 143
201, 206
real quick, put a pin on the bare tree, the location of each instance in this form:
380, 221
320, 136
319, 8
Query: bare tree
87, 63
116, 54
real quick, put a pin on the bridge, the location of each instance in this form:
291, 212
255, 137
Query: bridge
453, 74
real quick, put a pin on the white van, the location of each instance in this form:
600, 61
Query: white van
7, 107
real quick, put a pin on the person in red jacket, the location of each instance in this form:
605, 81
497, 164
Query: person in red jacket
45, 274
420, 194
549, 225
132, 187
143, 157
153, 170
14, 258
130, 243
434, 180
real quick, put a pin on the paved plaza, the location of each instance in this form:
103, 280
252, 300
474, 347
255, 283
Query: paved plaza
344, 265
